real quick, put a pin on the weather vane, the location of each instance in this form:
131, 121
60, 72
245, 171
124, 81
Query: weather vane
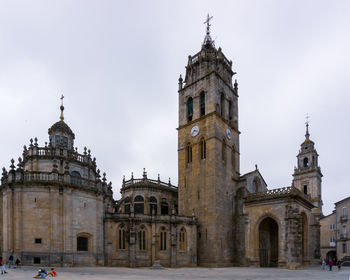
207, 39
307, 135
207, 22
62, 108
62, 97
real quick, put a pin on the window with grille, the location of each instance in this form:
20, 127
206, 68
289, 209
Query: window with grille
142, 238
122, 238
182, 240
162, 239
82, 243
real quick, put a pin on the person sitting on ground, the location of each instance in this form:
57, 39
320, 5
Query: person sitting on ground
3, 266
52, 272
41, 274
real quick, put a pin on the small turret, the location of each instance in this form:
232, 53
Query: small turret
60, 133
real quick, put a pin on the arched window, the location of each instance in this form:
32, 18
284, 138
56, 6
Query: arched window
305, 189
189, 109
306, 162
223, 150
153, 205
139, 206
75, 178
142, 238
164, 207
202, 104
230, 110
162, 239
233, 159
188, 153
222, 105
82, 243
256, 184
182, 240
122, 238
127, 206
203, 149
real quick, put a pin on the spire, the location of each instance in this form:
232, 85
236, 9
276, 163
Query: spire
307, 134
62, 108
207, 39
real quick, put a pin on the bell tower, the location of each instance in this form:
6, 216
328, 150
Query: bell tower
208, 150
307, 175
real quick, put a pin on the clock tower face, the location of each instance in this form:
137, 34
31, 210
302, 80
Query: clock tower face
194, 131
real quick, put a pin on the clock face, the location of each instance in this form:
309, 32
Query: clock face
194, 130
228, 133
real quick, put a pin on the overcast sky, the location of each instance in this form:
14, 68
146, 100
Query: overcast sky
118, 63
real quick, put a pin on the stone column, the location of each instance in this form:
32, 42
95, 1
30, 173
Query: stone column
132, 243
173, 242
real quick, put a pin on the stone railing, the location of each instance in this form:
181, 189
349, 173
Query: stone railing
26, 177
70, 155
277, 193
146, 181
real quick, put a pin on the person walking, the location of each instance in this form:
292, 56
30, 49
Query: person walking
339, 264
323, 264
330, 264
11, 261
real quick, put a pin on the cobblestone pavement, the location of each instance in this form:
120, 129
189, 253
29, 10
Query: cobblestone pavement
114, 273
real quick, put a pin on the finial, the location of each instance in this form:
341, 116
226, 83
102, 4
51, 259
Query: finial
236, 85
207, 40
256, 167
144, 175
132, 175
62, 108
307, 134
169, 181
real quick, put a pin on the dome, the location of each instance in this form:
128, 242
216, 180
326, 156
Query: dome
61, 126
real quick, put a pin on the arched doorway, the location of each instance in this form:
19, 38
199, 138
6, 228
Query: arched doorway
331, 255
268, 243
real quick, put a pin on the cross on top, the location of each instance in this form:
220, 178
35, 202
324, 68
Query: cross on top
307, 135
207, 22
307, 119
62, 97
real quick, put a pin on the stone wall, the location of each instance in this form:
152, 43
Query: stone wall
56, 217
134, 256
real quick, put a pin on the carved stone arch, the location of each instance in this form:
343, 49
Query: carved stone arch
267, 231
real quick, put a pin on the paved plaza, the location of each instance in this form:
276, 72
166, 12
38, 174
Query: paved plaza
114, 273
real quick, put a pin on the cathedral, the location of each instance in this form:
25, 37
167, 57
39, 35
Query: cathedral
57, 208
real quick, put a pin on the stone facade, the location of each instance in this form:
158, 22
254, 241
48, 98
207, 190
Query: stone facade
328, 236
342, 209
58, 210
